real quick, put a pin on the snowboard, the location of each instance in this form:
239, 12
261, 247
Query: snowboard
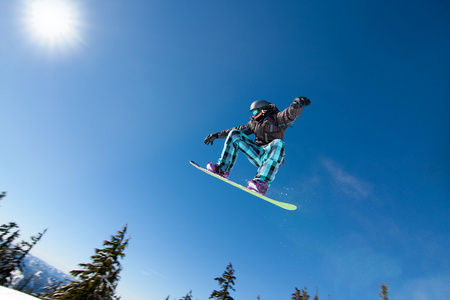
284, 205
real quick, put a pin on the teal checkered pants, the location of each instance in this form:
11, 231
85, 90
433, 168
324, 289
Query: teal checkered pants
267, 158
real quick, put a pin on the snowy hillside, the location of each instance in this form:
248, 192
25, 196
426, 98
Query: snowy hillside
37, 275
10, 294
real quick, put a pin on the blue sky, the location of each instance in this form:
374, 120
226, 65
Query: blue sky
97, 130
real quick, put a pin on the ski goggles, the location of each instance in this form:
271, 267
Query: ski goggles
255, 112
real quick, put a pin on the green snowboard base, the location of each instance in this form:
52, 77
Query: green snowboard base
284, 205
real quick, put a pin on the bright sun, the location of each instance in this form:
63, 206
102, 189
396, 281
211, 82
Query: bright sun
52, 21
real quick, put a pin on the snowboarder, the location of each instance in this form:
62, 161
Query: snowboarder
266, 152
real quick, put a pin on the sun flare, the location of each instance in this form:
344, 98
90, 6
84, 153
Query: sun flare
52, 21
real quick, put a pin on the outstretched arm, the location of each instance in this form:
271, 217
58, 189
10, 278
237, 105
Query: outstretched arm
293, 112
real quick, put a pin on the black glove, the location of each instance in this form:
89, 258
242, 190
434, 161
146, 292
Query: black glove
299, 102
210, 138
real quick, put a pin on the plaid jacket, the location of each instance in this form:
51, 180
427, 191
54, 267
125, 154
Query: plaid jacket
270, 128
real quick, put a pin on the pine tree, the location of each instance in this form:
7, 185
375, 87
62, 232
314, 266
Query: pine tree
187, 297
226, 283
22, 285
25, 247
384, 292
8, 256
316, 296
300, 294
11, 256
49, 290
97, 280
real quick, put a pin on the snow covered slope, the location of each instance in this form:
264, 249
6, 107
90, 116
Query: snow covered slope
10, 294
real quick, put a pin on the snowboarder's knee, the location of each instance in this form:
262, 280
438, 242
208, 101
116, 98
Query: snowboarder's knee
278, 143
235, 134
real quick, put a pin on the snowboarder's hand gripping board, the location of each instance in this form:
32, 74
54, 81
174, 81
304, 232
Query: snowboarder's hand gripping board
284, 205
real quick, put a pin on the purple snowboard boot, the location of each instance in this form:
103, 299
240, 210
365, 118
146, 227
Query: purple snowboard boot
258, 186
217, 170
